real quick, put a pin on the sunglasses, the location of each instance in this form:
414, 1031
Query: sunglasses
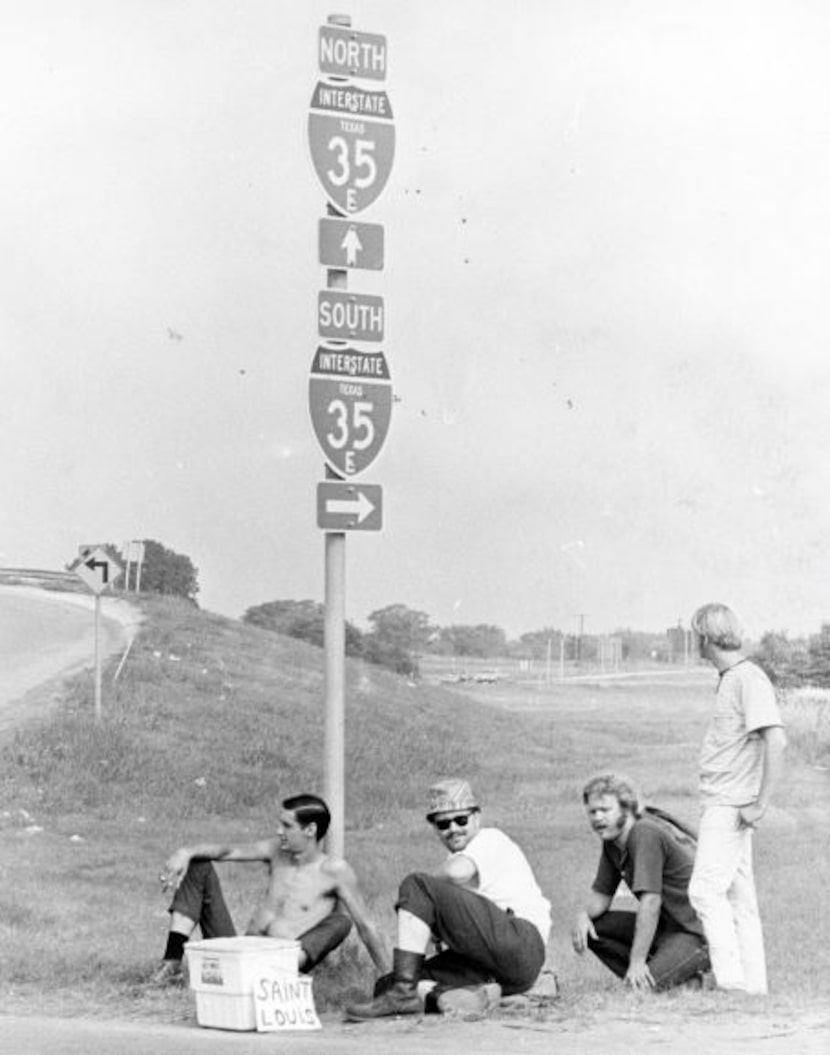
461, 820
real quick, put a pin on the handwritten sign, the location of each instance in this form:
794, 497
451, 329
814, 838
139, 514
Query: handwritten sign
284, 1001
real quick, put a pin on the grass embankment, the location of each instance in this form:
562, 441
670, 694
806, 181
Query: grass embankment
212, 722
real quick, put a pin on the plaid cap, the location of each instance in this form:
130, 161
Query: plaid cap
445, 796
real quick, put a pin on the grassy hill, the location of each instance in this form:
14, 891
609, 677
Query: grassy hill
211, 722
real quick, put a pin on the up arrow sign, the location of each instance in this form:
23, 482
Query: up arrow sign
348, 243
352, 244
349, 507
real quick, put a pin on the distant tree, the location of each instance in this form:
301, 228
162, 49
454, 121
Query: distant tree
775, 647
535, 644
397, 638
163, 571
482, 640
304, 620
818, 658
789, 662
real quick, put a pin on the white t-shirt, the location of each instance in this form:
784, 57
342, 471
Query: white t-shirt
732, 756
506, 878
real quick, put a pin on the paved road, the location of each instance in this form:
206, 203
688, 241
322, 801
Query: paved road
45, 634
762, 1035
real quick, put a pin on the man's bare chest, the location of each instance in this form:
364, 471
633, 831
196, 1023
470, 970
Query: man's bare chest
301, 887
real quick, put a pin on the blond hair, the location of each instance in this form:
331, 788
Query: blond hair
720, 625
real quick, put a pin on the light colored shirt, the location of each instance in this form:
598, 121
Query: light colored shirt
506, 878
732, 756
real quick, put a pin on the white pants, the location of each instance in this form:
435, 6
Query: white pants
722, 892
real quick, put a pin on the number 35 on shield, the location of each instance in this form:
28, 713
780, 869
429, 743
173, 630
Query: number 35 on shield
350, 419
352, 158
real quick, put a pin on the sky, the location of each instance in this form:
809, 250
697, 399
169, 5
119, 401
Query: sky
607, 230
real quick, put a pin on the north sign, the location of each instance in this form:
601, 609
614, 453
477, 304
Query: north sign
350, 399
349, 507
347, 244
349, 316
351, 138
345, 53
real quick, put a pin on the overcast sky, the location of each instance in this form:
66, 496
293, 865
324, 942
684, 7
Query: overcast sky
607, 229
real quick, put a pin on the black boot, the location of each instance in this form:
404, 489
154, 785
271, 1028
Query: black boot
401, 998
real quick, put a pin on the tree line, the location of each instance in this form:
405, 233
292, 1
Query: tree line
398, 636
795, 662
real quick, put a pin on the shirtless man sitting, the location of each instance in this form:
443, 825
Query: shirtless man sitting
307, 892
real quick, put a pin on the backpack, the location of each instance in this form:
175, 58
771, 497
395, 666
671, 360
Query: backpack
684, 833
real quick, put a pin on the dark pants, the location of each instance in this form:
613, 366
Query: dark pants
483, 942
675, 955
200, 898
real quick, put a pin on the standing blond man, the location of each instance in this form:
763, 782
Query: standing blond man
740, 763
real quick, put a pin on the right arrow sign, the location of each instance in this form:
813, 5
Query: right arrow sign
349, 507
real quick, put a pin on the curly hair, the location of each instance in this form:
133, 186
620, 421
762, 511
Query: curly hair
617, 785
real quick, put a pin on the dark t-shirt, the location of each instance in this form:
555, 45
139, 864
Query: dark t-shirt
653, 862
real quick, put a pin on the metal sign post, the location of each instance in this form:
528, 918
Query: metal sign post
98, 571
335, 667
351, 140
97, 659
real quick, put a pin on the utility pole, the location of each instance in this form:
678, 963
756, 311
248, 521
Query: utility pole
581, 616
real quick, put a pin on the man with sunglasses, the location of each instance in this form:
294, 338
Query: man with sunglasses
482, 908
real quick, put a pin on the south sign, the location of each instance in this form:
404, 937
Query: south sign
351, 138
349, 316
350, 399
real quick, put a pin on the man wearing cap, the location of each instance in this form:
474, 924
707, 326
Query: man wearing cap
484, 910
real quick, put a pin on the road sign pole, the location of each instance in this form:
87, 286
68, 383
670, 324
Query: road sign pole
335, 649
98, 571
352, 159
98, 708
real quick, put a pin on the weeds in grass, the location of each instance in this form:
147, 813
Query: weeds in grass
806, 716
89, 764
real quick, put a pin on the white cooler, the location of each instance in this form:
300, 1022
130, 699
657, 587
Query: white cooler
223, 972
